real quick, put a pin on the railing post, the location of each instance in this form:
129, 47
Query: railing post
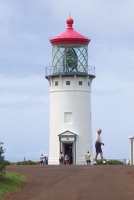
46, 71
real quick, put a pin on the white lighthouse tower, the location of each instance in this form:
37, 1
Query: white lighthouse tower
70, 80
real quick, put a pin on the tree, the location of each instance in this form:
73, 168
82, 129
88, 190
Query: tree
2, 161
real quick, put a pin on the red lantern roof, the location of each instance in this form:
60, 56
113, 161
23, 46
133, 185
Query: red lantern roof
69, 36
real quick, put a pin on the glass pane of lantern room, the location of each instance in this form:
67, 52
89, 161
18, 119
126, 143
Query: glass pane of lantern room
70, 58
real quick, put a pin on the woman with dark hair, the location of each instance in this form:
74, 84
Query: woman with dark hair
61, 158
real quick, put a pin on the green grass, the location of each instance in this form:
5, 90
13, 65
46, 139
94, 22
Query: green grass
10, 182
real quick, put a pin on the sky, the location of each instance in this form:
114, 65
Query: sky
25, 29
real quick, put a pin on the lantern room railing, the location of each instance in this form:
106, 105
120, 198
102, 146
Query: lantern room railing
49, 72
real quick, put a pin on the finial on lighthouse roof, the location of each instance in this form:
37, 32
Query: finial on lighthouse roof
69, 22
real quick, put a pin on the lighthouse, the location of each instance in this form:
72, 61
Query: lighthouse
70, 79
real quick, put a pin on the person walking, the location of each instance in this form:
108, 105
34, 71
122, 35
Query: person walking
87, 157
98, 143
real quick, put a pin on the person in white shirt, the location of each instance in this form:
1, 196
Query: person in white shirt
98, 143
66, 159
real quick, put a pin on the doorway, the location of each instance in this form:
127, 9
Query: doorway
67, 143
68, 149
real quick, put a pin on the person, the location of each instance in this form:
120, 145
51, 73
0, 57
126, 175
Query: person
69, 156
66, 159
61, 158
87, 157
41, 159
45, 160
98, 143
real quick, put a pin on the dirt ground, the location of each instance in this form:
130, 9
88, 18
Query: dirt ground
70, 182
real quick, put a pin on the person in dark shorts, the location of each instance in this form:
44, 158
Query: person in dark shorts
98, 143
61, 158
87, 157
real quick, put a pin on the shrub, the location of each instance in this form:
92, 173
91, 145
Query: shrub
7, 162
19, 163
30, 162
110, 162
114, 162
99, 162
2, 161
26, 162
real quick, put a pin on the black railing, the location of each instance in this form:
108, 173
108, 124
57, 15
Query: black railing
49, 71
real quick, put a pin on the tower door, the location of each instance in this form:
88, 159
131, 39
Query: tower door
67, 144
68, 149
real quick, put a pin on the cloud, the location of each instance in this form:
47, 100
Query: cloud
25, 51
23, 91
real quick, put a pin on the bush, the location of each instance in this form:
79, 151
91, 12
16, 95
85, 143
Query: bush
7, 162
20, 163
26, 162
114, 162
110, 162
99, 162
2, 161
30, 162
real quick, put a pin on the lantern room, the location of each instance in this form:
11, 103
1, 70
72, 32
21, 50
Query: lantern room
70, 52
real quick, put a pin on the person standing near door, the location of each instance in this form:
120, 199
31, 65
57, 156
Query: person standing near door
61, 158
69, 156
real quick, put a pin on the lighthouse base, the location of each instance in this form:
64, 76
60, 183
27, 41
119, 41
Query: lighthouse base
53, 161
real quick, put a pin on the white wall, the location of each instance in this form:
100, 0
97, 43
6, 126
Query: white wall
76, 100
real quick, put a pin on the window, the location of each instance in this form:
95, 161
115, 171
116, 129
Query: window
56, 83
67, 82
80, 82
88, 83
68, 117
70, 58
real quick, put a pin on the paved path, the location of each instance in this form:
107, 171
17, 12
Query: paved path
68, 182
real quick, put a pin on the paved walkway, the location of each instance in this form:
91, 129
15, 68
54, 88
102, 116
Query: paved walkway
68, 182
